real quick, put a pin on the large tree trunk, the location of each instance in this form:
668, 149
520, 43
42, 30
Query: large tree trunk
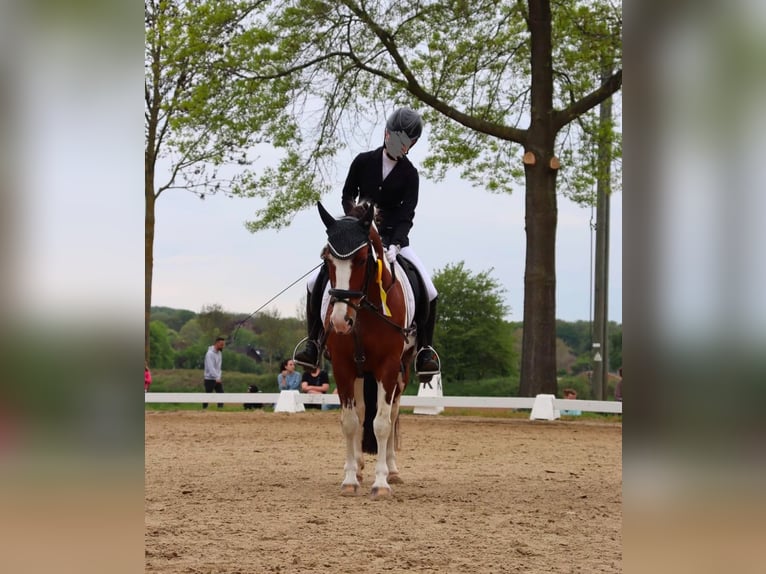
148, 252
538, 346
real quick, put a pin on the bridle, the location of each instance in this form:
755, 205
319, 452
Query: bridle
359, 300
349, 297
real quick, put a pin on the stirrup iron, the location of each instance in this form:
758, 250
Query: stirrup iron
299, 347
437, 360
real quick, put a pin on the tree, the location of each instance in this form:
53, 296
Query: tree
162, 351
191, 333
496, 81
201, 120
470, 332
173, 318
564, 357
214, 321
278, 336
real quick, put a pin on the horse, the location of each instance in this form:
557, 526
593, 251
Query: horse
368, 334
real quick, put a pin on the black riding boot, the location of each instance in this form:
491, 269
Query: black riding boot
426, 362
309, 356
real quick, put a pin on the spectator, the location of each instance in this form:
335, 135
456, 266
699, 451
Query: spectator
618, 388
571, 394
147, 378
288, 379
213, 365
315, 382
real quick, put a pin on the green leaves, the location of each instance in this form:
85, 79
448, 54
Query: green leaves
202, 115
471, 333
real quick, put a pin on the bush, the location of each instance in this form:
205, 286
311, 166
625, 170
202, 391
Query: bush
190, 381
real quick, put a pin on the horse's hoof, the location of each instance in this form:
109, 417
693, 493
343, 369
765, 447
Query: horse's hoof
395, 479
349, 489
381, 492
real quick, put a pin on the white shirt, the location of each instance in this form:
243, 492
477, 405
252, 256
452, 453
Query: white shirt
388, 164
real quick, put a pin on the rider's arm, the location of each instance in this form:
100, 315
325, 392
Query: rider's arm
351, 187
405, 213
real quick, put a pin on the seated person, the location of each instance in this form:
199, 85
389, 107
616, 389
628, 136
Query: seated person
288, 379
571, 394
315, 381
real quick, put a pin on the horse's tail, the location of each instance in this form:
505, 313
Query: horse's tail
369, 442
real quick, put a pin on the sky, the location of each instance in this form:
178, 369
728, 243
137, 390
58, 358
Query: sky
204, 255
80, 226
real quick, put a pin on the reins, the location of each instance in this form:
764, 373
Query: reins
345, 296
233, 336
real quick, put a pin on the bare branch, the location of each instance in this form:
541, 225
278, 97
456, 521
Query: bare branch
609, 87
414, 87
288, 71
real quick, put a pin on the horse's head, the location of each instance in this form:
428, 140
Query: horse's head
349, 257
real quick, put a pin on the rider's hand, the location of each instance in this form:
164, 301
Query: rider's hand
392, 252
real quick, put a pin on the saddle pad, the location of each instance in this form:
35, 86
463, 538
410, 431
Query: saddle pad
409, 296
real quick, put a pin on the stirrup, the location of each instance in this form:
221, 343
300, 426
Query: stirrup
306, 340
437, 360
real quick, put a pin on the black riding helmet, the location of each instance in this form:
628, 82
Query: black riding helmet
404, 127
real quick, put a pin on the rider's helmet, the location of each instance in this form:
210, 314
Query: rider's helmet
403, 129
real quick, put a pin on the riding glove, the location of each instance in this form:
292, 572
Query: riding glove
392, 252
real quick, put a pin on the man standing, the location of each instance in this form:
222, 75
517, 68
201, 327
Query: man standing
213, 362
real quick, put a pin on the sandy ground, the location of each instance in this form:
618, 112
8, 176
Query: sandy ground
259, 492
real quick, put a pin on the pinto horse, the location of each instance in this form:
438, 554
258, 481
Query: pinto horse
367, 333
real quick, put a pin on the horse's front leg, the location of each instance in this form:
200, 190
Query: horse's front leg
382, 425
350, 424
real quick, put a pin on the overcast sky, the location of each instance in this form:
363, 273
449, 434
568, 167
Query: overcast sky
81, 214
204, 255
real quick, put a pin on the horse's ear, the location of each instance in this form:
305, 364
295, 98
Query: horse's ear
328, 219
366, 219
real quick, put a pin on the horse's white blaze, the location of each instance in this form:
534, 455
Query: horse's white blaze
340, 310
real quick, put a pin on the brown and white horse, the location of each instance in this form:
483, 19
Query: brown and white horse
367, 333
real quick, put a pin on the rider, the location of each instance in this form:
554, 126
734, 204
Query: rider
386, 178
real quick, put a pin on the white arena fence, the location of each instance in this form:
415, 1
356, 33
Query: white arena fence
614, 407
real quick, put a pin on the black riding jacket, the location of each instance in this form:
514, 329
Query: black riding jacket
395, 197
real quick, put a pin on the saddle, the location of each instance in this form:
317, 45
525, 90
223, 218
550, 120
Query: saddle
418, 289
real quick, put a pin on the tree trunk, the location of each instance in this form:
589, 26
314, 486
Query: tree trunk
148, 251
538, 345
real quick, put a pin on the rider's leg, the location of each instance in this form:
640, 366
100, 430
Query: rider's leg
309, 356
425, 361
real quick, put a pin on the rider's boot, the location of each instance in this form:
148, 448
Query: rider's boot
426, 361
309, 355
